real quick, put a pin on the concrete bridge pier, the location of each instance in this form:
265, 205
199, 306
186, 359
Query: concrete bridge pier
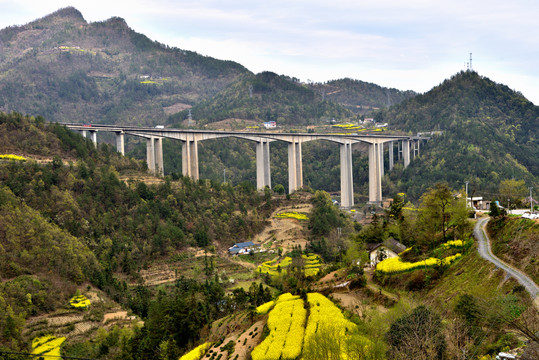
399, 150
150, 154
381, 152
375, 179
120, 142
406, 152
158, 146
263, 172
391, 154
84, 133
295, 167
93, 134
190, 157
347, 183
154, 155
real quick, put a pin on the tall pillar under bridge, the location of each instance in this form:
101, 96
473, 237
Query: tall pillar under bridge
295, 166
375, 172
154, 155
263, 172
120, 142
190, 167
190, 157
347, 181
391, 155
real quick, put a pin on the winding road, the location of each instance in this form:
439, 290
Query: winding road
486, 253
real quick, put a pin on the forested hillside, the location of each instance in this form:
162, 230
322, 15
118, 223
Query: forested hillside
268, 97
359, 96
77, 220
489, 134
66, 69
71, 226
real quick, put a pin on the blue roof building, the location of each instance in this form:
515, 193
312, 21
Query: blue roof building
238, 247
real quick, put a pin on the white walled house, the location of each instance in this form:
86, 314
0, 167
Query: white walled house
387, 249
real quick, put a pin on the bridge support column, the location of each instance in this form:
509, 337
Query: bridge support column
84, 133
295, 168
263, 172
399, 150
347, 183
93, 134
391, 154
158, 152
150, 154
120, 142
381, 150
190, 158
406, 152
375, 179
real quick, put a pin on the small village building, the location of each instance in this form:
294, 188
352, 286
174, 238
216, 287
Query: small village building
477, 203
242, 248
385, 250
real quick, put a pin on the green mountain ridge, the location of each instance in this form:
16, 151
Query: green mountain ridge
360, 96
69, 70
490, 133
66, 69
267, 97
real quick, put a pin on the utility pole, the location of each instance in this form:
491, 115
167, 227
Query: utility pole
531, 200
467, 182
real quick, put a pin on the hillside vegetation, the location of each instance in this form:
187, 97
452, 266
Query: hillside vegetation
78, 221
66, 69
359, 96
268, 97
516, 241
75, 239
489, 134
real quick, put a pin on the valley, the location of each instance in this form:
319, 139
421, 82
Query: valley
179, 250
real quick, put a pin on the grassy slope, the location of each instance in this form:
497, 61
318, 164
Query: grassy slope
516, 241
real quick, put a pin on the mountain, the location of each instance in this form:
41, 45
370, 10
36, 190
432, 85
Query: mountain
360, 96
66, 69
489, 133
267, 97
270, 97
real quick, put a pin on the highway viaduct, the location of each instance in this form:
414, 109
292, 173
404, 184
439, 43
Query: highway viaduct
190, 138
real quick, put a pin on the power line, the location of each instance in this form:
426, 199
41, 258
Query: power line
44, 356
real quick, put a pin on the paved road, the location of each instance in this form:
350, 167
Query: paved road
486, 253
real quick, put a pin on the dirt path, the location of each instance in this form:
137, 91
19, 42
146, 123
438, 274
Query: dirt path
376, 288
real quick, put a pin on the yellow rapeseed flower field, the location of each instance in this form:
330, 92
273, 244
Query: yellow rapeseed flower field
12, 157
312, 265
79, 301
286, 323
396, 265
291, 215
197, 352
47, 346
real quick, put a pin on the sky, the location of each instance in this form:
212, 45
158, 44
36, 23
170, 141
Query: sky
408, 45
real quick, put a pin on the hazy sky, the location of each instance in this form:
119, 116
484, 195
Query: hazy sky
411, 44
